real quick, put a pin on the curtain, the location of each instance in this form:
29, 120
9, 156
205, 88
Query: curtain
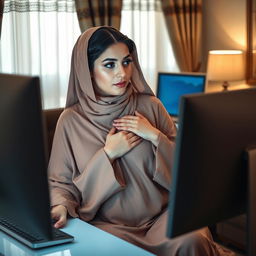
37, 39
92, 13
143, 21
1, 14
184, 22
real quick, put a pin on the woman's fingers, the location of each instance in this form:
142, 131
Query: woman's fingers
139, 125
129, 135
126, 125
132, 139
135, 140
59, 213
126, 119
112, 131
128, 122
61, 222
120, 143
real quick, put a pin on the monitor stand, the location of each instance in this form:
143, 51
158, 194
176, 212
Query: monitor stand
251, 208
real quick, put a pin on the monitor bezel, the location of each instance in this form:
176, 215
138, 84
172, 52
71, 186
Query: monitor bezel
25, 104
191, 115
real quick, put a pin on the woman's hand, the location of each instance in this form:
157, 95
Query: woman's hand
118, 144
59, 213
139, 125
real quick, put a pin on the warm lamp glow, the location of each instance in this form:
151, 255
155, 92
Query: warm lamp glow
225, 65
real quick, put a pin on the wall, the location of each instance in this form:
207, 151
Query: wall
224, 26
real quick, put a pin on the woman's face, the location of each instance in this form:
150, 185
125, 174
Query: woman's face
112, 70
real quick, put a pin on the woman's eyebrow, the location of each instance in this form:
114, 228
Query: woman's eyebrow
129, 55
113, 59
109, 59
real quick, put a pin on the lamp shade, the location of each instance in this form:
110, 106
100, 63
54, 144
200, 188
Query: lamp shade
225, 65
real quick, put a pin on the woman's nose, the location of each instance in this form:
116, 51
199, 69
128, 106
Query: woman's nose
121, 71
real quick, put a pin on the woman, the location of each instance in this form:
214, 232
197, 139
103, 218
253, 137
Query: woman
112, 152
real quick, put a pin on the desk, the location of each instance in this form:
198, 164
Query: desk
89, 241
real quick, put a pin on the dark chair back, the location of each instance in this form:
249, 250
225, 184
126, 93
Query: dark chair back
51, 117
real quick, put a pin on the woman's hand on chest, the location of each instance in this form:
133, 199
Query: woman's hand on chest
138, 125
119, 143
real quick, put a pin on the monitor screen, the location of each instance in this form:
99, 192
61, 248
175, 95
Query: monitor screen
171, 86
209, 171
24, 196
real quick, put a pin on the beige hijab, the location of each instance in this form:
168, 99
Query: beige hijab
101, 110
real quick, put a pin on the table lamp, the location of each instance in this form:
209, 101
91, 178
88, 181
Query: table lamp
225, 65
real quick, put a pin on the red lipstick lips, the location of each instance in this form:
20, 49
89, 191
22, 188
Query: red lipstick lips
121, 84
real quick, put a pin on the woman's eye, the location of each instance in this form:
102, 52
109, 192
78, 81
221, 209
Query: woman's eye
127, 62
109, 65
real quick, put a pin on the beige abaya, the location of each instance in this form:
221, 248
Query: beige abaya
129, 197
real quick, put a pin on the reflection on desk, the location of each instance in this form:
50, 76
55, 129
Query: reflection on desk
89, 241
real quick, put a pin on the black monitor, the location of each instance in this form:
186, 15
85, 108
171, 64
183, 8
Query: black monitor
210, 170
171, 86
24, 196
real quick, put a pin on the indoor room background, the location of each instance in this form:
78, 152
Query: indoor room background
41, 44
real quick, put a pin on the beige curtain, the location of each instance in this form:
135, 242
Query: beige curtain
98, 12
184, 23
1, 14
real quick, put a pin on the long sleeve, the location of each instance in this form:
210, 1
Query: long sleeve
60, 173
165, 148
81, 188
97, 183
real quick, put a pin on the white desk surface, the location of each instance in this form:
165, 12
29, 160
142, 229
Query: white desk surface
89, 241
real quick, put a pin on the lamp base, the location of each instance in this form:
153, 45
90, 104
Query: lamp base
225, 85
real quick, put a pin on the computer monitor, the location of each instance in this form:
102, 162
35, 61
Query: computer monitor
209, 174
171, 86
24, 196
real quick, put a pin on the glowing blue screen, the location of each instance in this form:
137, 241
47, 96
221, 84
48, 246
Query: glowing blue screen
172, 86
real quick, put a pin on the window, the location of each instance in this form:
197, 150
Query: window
38, 38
